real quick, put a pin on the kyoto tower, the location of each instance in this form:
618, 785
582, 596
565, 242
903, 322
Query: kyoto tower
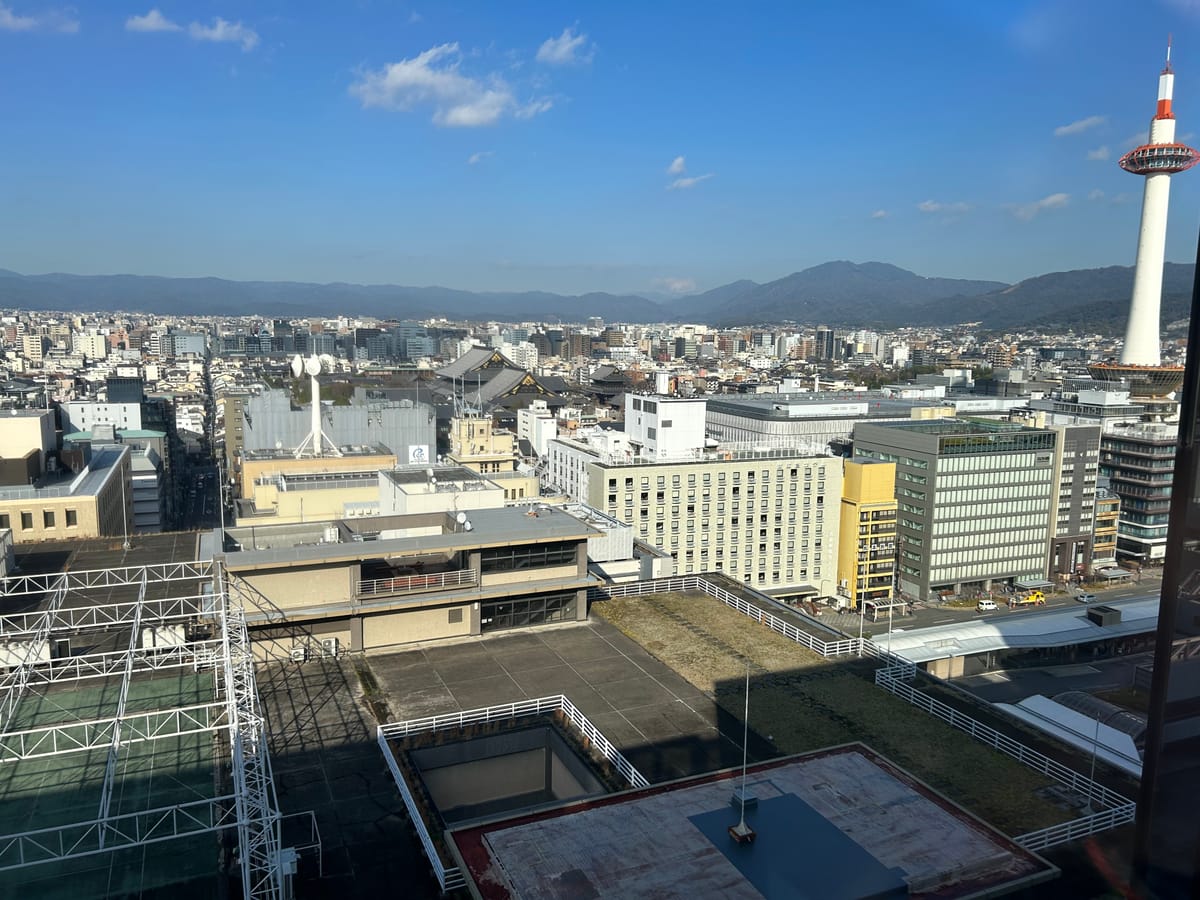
1156, 160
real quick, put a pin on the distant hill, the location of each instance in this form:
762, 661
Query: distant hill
868, 294
219, 297
844, 293
1094, 300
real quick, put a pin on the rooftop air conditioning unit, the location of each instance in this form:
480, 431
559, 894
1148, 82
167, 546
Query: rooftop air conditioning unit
299, 654
331, 535
329, 647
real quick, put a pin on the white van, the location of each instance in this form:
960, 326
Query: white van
986, 606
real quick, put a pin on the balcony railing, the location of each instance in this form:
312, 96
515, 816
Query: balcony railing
415, 584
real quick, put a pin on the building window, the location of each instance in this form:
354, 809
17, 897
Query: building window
4, 521
527, 611
47, 518
26, 521
508, 559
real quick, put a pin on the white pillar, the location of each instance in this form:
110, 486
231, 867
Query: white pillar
316, 413
1142, 335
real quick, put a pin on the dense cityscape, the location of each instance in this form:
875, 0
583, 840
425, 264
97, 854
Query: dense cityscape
854, 582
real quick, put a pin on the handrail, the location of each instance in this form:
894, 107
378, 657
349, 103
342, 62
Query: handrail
893, 677
408, 584
452, 877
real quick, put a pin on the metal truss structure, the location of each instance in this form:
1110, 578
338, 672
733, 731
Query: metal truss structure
210, 637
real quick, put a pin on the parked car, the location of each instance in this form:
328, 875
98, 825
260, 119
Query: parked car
1084, 597
986, 606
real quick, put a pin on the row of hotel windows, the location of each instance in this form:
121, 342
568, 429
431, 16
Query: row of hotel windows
980, 495
884, 456
975, 524
706, 510
748, 503
1031, 569
748, 558
733, 532
1008, 541
48, 519
988, 462
1008, 476
706, 478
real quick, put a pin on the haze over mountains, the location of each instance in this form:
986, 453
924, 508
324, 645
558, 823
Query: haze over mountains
869, 295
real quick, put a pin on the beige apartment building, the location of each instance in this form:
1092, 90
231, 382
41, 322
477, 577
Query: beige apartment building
766, 516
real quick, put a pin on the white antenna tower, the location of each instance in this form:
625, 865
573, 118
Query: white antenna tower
317, 442
741, 832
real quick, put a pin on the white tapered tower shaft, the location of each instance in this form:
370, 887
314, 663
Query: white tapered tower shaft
315, 436
1157, 160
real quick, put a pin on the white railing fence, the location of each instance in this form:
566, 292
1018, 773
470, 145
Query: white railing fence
407, 584
893, 677
451, 877
1114, 809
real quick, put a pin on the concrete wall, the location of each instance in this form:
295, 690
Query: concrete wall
528, 576
304, 586
389, 629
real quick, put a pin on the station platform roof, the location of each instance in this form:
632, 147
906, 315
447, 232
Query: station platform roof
1044, 628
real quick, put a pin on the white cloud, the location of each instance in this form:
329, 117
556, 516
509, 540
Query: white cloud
433, 79
1079, 126
222, 31
675, 285
476, 158
1095, 194
879, 214
53, 20
565, 50
1027, 211
936, 206
151, 21
414, 17
683, 184
1100, 153
534, 108
678, 166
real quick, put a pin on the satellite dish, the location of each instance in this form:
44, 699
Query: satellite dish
312, 366
297, 366
461, 518
468, 526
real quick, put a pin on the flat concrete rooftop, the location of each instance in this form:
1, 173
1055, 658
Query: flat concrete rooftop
842, 823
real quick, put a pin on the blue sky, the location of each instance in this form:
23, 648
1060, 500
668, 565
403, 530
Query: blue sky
613, 146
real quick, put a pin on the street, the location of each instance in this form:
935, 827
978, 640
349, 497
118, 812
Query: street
930, 615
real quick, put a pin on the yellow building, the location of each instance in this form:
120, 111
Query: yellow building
867, 545
1104, 535
476, 444
277, 488
95, 502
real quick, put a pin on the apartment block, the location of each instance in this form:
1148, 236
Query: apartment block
768, 517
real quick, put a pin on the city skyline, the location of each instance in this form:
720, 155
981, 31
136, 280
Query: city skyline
571, 150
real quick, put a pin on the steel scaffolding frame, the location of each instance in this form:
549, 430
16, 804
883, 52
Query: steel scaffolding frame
86, 579
250, 808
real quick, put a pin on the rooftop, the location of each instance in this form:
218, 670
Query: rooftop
820, 404
869, 829
1046, 628
380, 535
346, 450
105, 460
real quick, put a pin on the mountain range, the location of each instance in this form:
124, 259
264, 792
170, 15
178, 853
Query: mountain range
871, 295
